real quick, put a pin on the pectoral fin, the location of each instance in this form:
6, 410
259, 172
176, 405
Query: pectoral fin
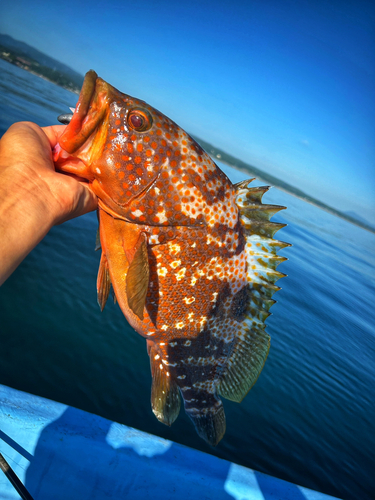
98, 245
124, 246
137, 278
103, 283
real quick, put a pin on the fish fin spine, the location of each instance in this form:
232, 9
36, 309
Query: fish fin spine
250, 350
261, 247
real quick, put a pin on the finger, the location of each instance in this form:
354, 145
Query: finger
85, 202
23, 140
53, 133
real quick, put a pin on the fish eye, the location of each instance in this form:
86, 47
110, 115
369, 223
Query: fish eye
139, 120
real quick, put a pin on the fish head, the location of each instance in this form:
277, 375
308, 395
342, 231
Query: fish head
142, 166
102, 143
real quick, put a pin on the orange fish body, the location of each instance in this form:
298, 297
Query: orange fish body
191, 257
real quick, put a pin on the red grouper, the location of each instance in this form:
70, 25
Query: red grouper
190, 256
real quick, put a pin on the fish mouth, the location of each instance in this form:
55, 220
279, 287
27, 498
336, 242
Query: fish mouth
77, 146
92, 105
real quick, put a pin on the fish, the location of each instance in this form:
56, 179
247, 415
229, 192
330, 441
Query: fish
191, 257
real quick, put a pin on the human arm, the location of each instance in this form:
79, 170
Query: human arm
33, 197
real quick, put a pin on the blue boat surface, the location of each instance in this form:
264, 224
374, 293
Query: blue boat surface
60, 452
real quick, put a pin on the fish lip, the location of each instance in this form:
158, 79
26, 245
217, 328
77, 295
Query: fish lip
90, 108
71, 165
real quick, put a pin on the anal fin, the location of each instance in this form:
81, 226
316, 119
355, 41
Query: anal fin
165, 395
246, 363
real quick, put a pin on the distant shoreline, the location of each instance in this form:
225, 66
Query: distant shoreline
61, 80
39, 64
30, 66
240, 165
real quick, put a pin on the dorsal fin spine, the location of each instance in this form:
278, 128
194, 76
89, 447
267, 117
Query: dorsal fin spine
251, 350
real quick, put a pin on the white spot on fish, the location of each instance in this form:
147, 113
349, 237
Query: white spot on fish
181, 273
98, 170
120, 139
161, 215
190, 317
193, 281
202, 321
174, 248
137, 213
189, 300
162, 272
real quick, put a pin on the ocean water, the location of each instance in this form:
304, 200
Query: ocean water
310, 417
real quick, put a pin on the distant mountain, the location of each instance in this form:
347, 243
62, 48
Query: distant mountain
350, 213
26, 57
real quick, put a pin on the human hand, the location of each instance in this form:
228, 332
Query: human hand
26, 158
33, 197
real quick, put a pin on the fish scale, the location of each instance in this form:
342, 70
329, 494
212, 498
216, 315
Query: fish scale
191, 257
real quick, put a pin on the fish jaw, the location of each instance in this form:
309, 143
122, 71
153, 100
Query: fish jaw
92, 105
83, 139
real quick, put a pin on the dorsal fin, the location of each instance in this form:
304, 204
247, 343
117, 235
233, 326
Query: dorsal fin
165, 396
137, 277
250, 351
261, 247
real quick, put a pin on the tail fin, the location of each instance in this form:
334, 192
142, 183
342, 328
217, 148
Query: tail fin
210, 424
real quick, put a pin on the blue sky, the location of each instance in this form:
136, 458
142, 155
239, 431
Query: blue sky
288, 86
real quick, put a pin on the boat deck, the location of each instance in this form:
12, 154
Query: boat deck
60, 452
